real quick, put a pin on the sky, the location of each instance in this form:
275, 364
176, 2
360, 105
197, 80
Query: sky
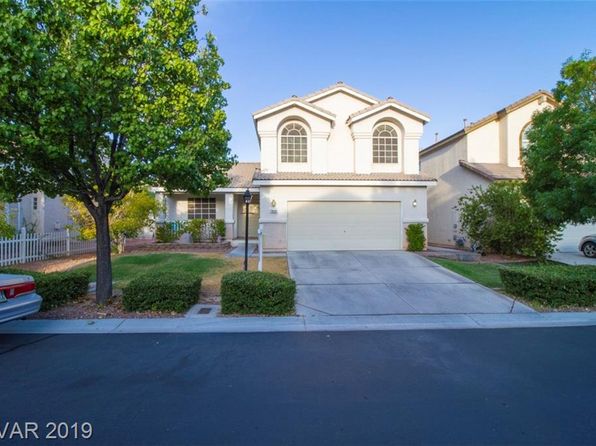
452, 60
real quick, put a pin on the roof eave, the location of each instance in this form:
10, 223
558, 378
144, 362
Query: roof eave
295, 103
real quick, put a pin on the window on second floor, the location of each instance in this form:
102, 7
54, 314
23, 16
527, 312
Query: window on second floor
385, 145
201, 208
294, 146
524, 141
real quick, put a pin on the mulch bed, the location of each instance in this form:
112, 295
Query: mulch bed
86, 308
178, 247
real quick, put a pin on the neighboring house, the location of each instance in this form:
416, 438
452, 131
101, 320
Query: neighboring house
339, 170
485, 151
37, 213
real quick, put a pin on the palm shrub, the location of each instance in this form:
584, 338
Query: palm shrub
415, 236
502, 221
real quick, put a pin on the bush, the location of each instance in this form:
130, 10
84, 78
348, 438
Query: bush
173, 291
257, 292
552, 285
415, 236
196, 227
501, 220
57, 288
219, 228
169, 232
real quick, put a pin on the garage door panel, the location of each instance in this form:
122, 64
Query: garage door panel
343, 225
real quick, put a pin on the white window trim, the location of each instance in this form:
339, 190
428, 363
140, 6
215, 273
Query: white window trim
387, 167
285, 166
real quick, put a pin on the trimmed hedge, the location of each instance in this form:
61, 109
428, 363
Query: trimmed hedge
56, 288
257, 292
173, 291
415, 236
552, 285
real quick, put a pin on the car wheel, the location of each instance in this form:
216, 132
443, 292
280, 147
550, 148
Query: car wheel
589, 249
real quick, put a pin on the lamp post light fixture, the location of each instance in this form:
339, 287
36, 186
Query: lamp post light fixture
247, 199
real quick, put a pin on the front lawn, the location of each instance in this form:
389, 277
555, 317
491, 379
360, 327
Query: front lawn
128, 267
486, 274
211, 267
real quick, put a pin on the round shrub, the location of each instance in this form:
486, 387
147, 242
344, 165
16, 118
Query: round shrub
174, 291
57, 288
257, 292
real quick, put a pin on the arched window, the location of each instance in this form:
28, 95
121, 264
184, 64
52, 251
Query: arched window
523, 139
385, 148
294, 144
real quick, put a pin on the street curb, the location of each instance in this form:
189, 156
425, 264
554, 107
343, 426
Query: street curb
299, 323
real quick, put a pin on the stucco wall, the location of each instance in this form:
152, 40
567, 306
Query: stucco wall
335, 146
274, 219
340, 145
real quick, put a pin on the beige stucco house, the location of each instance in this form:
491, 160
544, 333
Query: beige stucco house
37, 213
339, 170
485, 151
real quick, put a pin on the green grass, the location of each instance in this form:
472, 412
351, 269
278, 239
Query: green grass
486, 274
127, 267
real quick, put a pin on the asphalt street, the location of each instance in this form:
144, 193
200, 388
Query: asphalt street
514, 386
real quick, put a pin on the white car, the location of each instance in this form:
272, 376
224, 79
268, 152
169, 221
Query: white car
17, 297
587, 245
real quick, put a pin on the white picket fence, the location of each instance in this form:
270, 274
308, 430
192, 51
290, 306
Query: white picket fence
32, 247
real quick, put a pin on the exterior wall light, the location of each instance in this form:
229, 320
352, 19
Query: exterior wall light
414, 203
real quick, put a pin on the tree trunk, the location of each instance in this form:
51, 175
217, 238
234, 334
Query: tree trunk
104, 261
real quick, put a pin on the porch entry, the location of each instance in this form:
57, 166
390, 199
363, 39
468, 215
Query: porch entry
253, 217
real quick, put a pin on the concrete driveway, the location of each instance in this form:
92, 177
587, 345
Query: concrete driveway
386, 282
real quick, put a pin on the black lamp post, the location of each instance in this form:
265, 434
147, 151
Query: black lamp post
247, 199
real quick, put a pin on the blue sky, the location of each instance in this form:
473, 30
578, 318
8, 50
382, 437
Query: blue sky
451, 60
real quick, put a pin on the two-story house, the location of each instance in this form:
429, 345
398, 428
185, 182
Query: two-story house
339, 170
485, 151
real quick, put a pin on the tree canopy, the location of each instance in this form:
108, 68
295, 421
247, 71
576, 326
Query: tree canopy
127, 217
560, 159
99, 97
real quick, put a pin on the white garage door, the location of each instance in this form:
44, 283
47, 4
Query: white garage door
343, 225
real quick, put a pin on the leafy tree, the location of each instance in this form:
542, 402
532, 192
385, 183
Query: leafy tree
99, 97
6, 229
560, 160
503, 222
127, 217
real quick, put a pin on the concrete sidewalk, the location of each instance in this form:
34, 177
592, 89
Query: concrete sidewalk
300, 323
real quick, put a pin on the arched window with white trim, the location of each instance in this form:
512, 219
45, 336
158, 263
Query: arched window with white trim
385, 145
523, 138
294, 143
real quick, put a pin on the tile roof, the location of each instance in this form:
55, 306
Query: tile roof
290, 100
385, 102
339, 84
494, 171
341, 176
241, 174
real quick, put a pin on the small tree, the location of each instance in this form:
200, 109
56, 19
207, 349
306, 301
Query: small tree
560, 159
6, 229
127, 218
98, 98
503, 222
